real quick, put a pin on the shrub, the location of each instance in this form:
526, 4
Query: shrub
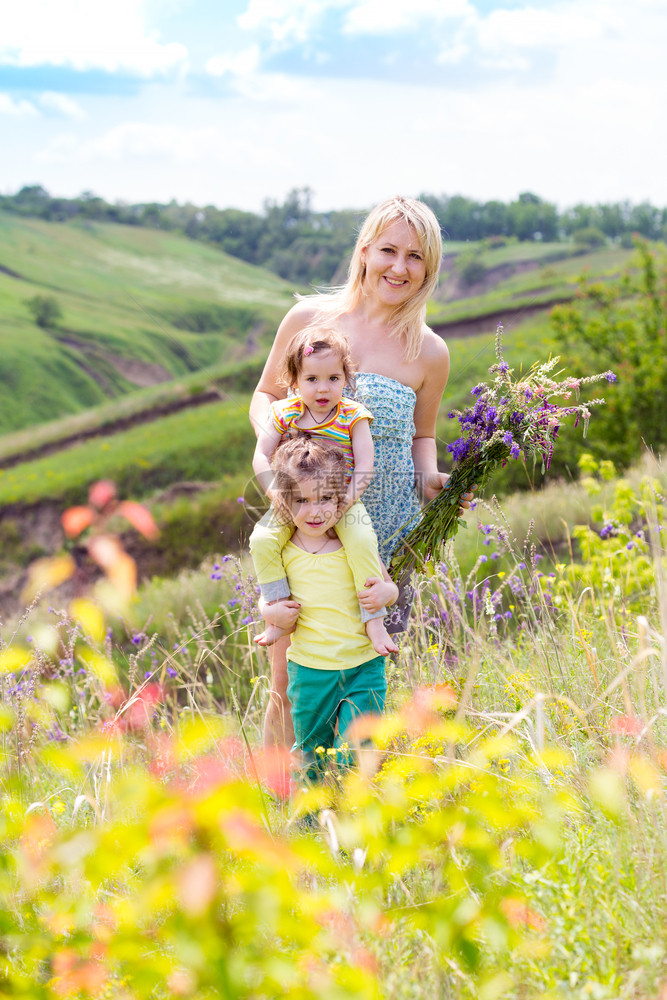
45, 310
621, 324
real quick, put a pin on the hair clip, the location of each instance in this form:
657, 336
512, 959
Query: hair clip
308, 350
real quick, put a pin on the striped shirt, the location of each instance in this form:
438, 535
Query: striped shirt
286, 414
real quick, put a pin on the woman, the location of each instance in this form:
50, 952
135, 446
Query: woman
402, 373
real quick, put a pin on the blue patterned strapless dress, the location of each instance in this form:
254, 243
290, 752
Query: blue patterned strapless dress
391, 498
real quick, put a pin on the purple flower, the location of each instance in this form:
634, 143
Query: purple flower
246, 620
459, 449
508, 439
610, 377
240, 499
172, 672
233, 602
515, 450
528, 393
508, 615
630, 545
483, 558
149, 673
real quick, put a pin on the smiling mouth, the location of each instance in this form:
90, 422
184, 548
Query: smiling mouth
394, 282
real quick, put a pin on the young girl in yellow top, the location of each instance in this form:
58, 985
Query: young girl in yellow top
317, 368
334, 671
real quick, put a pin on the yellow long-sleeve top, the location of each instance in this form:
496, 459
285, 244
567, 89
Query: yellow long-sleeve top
329, 633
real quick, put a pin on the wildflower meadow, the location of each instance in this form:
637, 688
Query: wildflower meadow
502, 836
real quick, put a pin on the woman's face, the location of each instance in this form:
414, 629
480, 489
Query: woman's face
395, 267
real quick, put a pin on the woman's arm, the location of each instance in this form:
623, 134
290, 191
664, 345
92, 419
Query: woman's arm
268, 439
435, 361
270, 388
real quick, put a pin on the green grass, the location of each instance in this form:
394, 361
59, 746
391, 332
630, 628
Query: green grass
556, 277
124, 293
201, 443
542, 787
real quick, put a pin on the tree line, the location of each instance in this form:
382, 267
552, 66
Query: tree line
307, 247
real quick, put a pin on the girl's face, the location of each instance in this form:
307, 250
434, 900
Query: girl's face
321, 382
314, 506
395, 267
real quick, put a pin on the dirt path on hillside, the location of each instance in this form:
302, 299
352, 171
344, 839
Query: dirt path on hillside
211, 395
489, 321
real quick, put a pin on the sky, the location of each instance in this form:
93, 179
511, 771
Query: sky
233, 102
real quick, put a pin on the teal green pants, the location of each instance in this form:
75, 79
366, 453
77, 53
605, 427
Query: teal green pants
325, 702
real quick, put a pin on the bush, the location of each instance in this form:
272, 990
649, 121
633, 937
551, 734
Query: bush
470, 267
45, 310
589, 236
621, 324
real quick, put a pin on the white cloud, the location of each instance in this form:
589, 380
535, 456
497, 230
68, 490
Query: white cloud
380, 17
84, 35
528, 27
61, 104
10, 106
137, 143
287, 20
238, 64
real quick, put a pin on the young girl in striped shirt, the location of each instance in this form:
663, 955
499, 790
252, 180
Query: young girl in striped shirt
317, 368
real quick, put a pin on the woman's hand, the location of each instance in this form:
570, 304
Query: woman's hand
437, 481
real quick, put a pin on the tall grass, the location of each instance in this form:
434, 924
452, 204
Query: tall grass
504, 836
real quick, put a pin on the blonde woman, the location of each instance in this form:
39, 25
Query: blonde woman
402, 370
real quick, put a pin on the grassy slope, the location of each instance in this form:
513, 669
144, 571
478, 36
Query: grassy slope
542, 273
120, 289
213, 442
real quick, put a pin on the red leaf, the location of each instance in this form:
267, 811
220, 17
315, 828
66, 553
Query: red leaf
140, 518
75, 520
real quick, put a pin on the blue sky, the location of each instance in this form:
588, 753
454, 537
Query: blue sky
231, 102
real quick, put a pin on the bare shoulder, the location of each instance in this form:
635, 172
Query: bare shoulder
434, 358
302, 313
434, 349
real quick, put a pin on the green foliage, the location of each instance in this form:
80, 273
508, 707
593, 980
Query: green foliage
148, 848
589, 236
621, 324
177, 876
470, 267
45, 310
616, 561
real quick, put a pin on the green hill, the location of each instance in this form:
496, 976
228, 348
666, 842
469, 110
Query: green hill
139, 307
184, 445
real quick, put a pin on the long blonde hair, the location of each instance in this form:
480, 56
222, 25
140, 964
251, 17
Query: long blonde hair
409, 319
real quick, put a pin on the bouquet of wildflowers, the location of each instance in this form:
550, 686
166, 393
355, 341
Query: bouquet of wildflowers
510, 419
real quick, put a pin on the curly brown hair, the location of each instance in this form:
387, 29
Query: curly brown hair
319, 339
306, 457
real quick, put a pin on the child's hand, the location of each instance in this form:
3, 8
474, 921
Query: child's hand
283, 614
378, 594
